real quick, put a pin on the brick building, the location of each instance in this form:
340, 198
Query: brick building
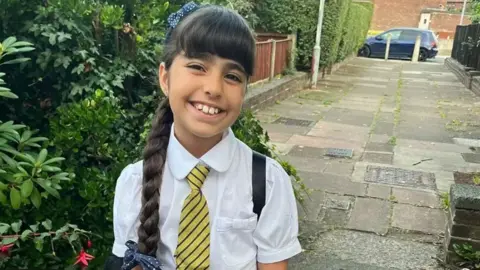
440, 16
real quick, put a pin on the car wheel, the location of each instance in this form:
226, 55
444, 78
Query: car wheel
423, 55
364, 51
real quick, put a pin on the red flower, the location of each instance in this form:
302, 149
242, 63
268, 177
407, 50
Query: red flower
83, 258
5, 248
89, 244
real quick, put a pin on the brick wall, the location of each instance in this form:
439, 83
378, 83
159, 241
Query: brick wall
444, 24
404, 13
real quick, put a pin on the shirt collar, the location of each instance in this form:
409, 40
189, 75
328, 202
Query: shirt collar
219, 158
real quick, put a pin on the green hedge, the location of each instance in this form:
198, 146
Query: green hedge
355, 29
345, 24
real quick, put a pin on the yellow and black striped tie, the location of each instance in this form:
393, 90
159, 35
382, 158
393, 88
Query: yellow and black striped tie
193, 249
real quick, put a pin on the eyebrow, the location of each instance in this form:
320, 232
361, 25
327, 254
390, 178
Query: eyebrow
209, 58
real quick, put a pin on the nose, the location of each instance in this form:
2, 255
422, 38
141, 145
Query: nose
213, 86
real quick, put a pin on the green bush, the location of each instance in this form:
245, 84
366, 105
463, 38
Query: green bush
340, 35
355, 29
88, 88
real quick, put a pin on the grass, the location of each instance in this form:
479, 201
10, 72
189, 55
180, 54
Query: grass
445, 200
377, 115
398, 101
476, 179
393, 140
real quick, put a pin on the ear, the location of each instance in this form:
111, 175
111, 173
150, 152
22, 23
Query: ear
163, 78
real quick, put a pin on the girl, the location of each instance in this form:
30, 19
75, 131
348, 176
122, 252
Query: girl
189, 203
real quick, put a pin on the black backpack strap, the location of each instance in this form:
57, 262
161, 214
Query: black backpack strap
113, 263
259, 182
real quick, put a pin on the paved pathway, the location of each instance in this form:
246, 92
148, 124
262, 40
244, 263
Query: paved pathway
411, 126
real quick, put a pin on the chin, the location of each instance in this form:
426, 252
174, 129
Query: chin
207, 131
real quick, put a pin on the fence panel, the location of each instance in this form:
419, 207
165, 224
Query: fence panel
262, 61
282, 55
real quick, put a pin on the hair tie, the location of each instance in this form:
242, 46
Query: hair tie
133, 257
175, 18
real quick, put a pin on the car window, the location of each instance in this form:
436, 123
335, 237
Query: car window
395, 34
409, 35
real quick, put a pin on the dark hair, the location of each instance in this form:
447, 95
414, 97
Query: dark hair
209, 30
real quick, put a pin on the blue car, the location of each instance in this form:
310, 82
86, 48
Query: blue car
402, 44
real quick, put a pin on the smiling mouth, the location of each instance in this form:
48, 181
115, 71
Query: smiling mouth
209, 110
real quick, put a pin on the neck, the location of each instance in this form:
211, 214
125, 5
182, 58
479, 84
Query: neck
197, 146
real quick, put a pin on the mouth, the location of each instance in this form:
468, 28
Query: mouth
208, 110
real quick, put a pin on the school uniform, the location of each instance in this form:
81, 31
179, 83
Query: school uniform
237, 239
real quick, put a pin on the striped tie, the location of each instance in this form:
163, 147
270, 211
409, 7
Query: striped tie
193, 249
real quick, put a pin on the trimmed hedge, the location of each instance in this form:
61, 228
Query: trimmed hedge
345, 25
355, 29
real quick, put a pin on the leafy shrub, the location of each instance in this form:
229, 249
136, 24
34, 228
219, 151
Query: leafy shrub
355, 29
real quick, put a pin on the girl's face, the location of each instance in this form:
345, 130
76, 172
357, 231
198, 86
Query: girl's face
206, 93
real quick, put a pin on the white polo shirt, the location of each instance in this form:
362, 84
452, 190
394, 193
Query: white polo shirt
237, 240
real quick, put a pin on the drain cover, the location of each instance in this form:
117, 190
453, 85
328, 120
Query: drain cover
339, 152
293, 122
400, 177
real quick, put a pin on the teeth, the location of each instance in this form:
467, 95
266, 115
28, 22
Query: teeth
206, 109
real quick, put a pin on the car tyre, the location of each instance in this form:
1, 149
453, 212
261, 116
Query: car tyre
364, 51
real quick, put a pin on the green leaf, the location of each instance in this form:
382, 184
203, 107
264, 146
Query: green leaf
47, 224
3, 198
41, 157
48, 168
54, 160
47, 188
15, 199
27, 188
12, 163
73, 237
27, 134
4, 228
22, 44
3, 141
26, 157
39, 244
62, 37
3, 186
34, 227
9, 240
36, 198
8, 94
52, 39
25, 234
24, 49
16, 226
9, 41
16, 61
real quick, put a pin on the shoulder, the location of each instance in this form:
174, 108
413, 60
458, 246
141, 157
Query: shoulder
275, 174
131, 176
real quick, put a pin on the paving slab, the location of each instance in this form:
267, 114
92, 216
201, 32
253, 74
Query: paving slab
340, 131
316, 165
379, 147
418, 219
339, 167
375, 157
313, 141
308, 152
312, 205
416, 197
332, 183
379, 191
371, 215
352, 250
471, 157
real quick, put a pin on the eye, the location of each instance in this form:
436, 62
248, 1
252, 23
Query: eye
196, 67
234, 77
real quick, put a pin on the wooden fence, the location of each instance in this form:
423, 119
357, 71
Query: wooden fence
272, 58
466, 45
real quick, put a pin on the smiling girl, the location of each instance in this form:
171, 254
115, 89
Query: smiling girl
189, 203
